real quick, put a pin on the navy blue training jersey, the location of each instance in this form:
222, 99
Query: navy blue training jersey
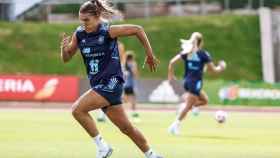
100, 54
194, 64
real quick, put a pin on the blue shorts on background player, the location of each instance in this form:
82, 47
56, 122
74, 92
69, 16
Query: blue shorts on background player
195, 61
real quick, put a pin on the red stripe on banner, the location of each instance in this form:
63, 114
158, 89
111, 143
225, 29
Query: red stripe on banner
39, 88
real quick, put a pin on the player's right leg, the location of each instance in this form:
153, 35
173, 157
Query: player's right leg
89, 101
202, 99
118, 116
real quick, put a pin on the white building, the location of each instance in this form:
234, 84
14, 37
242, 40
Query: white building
11, 9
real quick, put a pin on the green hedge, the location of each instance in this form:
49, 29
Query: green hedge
67, 8
34, 47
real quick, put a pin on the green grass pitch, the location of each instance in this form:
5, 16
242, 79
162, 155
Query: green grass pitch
54, 134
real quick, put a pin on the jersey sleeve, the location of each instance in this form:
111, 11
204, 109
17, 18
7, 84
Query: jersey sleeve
105, 28
206, 57
77, 32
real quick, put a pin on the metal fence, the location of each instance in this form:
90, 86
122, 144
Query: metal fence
146, 8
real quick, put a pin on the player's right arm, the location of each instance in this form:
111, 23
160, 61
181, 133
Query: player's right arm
68, 47
171, 75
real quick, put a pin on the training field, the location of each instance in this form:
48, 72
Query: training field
39, 133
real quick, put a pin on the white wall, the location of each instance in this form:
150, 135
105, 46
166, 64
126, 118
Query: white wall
268, 65
19, 6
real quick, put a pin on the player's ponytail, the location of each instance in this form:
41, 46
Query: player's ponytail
106, 9
97, 8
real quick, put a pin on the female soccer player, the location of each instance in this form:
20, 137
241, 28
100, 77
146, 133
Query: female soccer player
195, 58
97, 41
131, 73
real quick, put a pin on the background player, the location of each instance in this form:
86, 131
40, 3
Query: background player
195, 58
130, 75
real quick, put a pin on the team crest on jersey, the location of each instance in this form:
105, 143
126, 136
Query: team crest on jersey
86, 50
83, 40
101, 40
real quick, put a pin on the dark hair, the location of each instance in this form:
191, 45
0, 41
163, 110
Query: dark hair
97, 8
129, 57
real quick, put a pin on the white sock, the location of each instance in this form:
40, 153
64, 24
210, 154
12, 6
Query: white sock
101, 115
100, 143
177, 122
149, 153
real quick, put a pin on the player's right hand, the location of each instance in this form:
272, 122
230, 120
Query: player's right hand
64, 41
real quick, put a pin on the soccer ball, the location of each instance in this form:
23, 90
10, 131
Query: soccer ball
220, 116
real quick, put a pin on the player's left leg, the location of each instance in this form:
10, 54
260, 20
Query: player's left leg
89, 101
118, 116
190, 100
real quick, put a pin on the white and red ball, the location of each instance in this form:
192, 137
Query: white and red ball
221, 116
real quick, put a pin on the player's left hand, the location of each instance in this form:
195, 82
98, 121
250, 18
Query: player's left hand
223, 64
152, 61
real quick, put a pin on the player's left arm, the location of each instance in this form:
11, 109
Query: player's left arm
206, 58
216, 68
138, 31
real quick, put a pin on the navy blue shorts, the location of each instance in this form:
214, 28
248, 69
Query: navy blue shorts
111, 90
129, 91
193, 87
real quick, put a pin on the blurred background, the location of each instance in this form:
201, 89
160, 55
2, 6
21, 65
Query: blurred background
245, 33
34, 83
